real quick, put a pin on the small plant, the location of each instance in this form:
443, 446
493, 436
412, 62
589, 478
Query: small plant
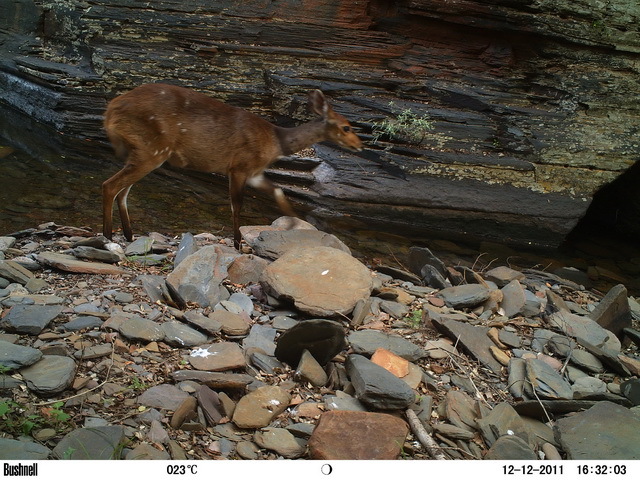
415, 318
15, 418
407, 126
137, 384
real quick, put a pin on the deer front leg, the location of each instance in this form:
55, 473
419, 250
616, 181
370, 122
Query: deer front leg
236, 193
264, 184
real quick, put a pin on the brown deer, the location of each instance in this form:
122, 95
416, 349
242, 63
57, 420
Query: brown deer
157, 123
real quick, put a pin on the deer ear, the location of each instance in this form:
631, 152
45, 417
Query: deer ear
318, 103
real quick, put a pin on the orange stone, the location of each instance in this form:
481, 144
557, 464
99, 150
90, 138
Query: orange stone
391, 362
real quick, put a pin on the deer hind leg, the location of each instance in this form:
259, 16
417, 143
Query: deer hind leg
264, 184
117, 188
237, 182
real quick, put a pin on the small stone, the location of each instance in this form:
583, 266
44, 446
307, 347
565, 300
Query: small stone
391, 362
310, 370
260, 407
281, 441
462, 296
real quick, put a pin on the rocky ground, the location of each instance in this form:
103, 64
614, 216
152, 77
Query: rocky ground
186, 349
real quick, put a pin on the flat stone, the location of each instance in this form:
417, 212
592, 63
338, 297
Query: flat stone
510, 447
14, 272
186, 247
232, 324
631, 389
164, 396
546, 381
323, 339
138, 328
275, 243
472, 339
347, 435
281, 441
503, 275
217, 357
421, 256
52, 374
320, 281
462, 296
14, 356
585, 330
461, 410
30, 319
260, 407
180, 335
503, 420
366, 342
376, 386
68, 263
97, 254
84, 322
22, 450
185, 411
261, 337
611, 430
215, 380
145, 451
91, 443
211, 405
208, 323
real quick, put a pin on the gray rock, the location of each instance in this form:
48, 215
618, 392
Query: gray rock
503, 275
421, 256
514, 299
463, 296
586, 361
94, 351
50, 375
585, 386
140, 246
198, 278
180, 335
22, 450
545, 381
69, 263
613, 312
275, 243
14, 272
517, 376
100, 255
210, 324
461, 410
376, 386
261, 337
342, 401
510, 447
231, 324
30, 319
631, 390
84, 322
472, 339
611, 430
93, 443
137, 328
164, 396
366, 342
144, 451
243, 301
187, 247
17, 356
323, 339
586, 330
320, 281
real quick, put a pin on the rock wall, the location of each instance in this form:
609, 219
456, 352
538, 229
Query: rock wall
533, 104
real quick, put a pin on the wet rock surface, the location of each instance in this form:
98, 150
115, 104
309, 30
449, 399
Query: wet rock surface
146, 363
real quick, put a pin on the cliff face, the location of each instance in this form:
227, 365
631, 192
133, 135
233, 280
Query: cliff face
533, 104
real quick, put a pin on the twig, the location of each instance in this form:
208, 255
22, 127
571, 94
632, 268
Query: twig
433, 449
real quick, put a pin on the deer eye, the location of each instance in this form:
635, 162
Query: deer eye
346, 128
